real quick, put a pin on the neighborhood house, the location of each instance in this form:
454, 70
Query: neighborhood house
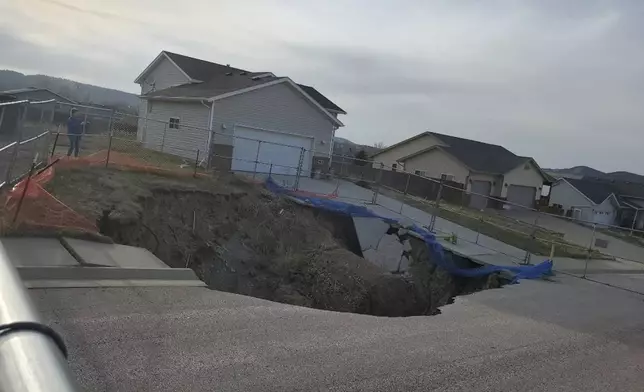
485, 169
598, 201
189, 104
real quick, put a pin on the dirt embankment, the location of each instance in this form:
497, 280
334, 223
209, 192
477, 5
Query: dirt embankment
240, 238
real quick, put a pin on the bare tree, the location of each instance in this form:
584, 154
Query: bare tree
379, 145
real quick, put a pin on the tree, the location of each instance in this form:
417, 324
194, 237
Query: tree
379, 145
361, 158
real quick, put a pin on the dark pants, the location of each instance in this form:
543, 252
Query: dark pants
74, 144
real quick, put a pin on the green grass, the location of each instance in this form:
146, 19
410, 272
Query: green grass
511, 232
634, 239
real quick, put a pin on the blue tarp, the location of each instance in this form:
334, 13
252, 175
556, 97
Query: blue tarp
434, 247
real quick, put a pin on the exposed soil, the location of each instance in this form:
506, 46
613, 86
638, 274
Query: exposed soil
240, 238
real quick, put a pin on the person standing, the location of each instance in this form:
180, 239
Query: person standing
74, 132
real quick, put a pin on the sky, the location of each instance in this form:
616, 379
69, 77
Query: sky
561, 81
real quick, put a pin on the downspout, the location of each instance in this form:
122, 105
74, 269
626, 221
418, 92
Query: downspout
331, 145
210, 119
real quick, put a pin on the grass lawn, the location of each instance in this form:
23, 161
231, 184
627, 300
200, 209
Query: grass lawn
624, 235
509, 231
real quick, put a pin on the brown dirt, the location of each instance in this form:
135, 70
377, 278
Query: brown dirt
240, 238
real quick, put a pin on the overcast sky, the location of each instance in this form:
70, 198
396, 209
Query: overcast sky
561, 81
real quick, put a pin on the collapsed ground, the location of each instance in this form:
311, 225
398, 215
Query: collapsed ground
240, 238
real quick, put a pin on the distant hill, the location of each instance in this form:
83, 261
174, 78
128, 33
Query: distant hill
588, 172
79, 92
346, 147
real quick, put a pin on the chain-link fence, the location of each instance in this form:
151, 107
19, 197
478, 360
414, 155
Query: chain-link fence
25, 133
473, 220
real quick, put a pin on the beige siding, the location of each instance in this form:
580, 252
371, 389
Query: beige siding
184, 141
390, 157
436, 162
165, 74
523, 175
277, 108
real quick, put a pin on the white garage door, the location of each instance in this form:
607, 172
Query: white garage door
522, 195
279, 149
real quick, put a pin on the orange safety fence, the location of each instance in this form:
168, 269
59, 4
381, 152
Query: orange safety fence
40, 208
123, 161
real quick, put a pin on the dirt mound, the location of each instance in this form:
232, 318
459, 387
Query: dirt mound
240, 238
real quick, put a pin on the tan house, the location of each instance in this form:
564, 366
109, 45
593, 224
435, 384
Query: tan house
486, 169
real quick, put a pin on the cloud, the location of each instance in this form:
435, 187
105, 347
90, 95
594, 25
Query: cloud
557, 80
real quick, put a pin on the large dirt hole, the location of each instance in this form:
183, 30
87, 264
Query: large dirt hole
240, 238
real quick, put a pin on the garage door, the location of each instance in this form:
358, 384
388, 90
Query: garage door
522, 195
482, 188
282, 150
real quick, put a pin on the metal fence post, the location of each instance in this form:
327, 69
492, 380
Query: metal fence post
376, 190
24, 191
196, 163
432, 221
407, 184
85, 121
299, 170
17, 147
53, 149
165, 129
109, 150
259, 146
634, 220
533, 237
590, 250
110, 122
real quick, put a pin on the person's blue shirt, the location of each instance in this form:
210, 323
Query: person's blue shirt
74, 126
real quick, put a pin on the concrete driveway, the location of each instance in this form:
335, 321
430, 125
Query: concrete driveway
581, 235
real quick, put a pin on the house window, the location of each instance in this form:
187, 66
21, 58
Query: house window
448, 177
174, 123
394, 167
420, 173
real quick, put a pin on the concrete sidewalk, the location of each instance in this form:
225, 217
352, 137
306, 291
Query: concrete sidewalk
66, 262
471, 243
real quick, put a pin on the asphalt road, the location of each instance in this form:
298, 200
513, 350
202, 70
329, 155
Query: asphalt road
567, 335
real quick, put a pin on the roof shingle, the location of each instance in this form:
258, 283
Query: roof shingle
220, 79
478, 156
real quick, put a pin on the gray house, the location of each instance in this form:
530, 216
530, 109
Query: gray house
485, 169
189, 104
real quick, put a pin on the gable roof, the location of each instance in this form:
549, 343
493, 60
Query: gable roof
198, 70
34, 89
477, 156
411, 139
226, 86
322, 100
595, 191
217, 85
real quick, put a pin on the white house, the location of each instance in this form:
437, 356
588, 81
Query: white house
234, 117
603, 202
486, 169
